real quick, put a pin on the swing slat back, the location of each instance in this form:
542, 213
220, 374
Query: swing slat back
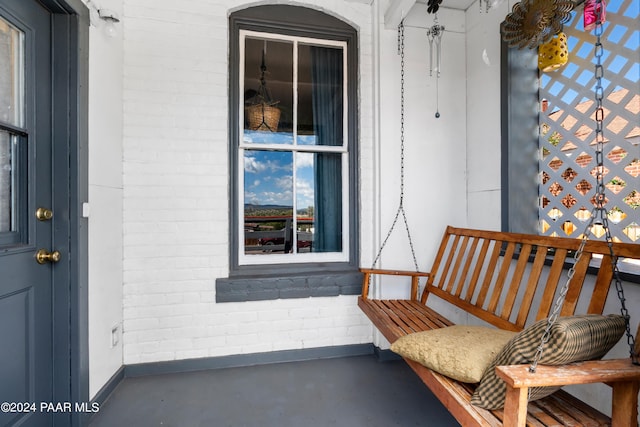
497, 276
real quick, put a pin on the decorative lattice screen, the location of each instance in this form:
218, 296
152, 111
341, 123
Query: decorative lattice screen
567, 129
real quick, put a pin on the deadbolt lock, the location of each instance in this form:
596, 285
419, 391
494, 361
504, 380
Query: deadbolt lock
43, 256
44, 214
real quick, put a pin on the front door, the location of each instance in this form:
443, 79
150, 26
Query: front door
27, 222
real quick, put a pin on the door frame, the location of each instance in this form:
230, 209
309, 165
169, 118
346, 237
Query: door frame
70, 69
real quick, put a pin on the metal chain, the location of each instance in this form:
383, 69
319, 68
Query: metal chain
600, 208
599, 214
400, 210
555, 312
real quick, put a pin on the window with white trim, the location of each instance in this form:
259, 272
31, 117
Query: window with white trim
293, 155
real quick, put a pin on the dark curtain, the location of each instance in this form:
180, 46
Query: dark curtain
327, 79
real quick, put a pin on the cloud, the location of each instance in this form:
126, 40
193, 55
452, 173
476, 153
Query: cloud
276, 198
304, 160
250, 197
258, 162
271, 181
304, 193
284, 182
252, 165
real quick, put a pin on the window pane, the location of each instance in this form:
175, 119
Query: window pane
328, 202
305, 199
268, 91
262, 137
320, 95
8, 168
11, 74
268, 202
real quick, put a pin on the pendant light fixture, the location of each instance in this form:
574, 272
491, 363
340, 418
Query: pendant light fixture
261, 110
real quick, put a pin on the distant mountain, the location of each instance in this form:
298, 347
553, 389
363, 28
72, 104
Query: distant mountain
252, 207
267, 210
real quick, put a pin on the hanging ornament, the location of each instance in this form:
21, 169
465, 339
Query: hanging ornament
487, 5
590, 13
434, 35
534, 22
553, 54
433, 6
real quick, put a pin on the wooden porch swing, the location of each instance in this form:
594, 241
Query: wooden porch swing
500, 278
467, 274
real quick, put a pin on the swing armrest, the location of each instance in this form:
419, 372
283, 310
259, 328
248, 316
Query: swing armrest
415, 276
395, 272
595, 371
620, 374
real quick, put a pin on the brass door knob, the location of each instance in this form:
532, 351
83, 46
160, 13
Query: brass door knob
43, 256
44, 214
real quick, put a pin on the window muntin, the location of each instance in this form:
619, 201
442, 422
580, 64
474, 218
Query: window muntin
305, 79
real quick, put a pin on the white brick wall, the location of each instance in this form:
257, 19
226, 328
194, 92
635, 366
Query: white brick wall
176, 193
175, 175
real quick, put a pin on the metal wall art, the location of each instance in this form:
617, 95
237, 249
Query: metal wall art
534, 22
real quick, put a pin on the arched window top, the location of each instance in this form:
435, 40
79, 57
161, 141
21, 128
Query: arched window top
296, 16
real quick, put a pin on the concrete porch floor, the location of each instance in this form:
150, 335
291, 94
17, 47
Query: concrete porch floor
349, 391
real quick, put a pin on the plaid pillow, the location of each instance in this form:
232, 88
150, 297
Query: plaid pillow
573, 339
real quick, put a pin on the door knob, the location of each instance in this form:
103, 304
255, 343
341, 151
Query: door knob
43, 256
44, 214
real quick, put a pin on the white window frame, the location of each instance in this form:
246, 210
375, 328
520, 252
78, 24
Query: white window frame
310, 257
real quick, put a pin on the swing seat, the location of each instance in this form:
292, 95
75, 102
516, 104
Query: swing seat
500, 279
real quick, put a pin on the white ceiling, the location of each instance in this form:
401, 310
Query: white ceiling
398, 9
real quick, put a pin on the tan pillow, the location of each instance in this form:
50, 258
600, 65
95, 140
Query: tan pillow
459, 352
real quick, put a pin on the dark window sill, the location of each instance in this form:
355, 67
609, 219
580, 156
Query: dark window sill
283, 285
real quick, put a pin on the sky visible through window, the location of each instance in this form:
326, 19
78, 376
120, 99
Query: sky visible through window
269, 174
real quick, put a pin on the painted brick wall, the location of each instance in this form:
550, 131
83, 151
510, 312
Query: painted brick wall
176, 193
